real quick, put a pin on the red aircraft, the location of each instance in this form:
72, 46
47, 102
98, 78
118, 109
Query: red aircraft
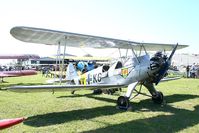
22, 57
17, 73
10, 122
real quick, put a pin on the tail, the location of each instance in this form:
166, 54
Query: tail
71, 73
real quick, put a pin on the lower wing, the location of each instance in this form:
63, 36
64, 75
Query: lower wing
42, 88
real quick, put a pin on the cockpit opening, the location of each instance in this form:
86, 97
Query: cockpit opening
105, 68
119, 65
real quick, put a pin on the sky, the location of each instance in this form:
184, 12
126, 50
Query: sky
159, 21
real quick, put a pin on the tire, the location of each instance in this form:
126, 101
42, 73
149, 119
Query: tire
158, 99
123, 102
97, 91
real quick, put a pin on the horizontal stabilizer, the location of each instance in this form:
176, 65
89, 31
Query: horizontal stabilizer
71, 73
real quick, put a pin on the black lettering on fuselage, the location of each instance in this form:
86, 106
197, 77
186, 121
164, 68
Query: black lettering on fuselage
89, 79
99, 77
95, 78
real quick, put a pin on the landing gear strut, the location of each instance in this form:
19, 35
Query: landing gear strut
123, 102
158, 98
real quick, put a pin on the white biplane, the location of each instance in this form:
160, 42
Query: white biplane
128, 72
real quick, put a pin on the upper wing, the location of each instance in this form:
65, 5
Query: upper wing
41, 88
51, 37
84, 58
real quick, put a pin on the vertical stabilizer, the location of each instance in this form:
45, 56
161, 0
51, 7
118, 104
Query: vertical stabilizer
71, 73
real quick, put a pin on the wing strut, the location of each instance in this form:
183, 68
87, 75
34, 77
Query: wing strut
120, 53
63, 59
142, 47
135, 55
126, 52
57, 59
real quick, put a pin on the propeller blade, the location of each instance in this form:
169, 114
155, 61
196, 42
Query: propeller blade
165, 66
172, 53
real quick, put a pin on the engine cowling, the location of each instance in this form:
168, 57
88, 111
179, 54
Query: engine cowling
161, 63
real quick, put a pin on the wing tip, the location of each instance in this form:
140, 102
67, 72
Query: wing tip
15, 31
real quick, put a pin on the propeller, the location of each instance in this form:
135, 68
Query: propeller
165, 66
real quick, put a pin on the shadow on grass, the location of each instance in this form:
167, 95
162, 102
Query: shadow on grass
67, 116
181, 119
147, 102
177, 120
19, 84
93, 96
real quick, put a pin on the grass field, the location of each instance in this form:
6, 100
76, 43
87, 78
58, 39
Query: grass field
83, 112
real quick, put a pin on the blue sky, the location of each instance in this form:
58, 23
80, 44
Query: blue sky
160, 21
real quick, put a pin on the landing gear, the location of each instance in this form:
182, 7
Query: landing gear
106, 91
109, 91
97, 91
123, 102
158, 98
72, 92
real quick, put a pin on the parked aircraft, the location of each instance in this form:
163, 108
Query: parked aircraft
16, 73
21, 57
20, 72
5, 123
137, 69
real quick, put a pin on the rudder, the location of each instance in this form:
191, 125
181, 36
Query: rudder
71, 73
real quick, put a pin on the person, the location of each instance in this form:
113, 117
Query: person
187, 69
47, 72
193, 71
43, 71
84, 70
197, 71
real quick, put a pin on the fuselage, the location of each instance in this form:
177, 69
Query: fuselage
120, 73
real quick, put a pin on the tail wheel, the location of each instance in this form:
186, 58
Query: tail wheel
72, 92
123, 102
158, 98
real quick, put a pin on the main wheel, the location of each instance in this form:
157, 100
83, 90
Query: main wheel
158, 98
97, 91
123, 102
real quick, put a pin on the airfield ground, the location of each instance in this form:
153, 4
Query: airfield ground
84, 112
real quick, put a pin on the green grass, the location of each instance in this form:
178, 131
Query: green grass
83, 112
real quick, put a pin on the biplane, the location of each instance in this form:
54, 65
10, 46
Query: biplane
139, 68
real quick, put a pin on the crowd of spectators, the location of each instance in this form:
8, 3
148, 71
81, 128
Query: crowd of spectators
192, 71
